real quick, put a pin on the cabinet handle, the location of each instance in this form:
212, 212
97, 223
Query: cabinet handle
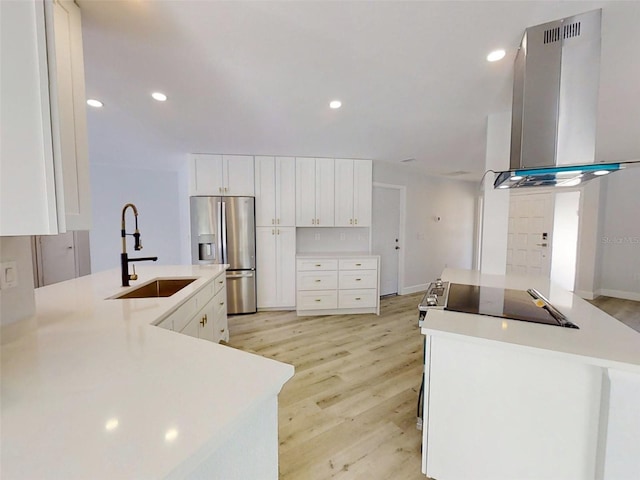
318, 264
202, 322
226, 189
273, 231
222, 331
313, 221
358, 264
278, 231
358, 279
221, 303
273, 221
318, 281
318, 300
220, 282
358, 298
317, 221
351, 221
278, 221
356, 221
219, 189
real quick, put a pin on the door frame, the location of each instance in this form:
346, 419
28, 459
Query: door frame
403, 207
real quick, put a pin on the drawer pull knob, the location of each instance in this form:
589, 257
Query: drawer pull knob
358, 298
221, 303
358, 264
318, 264
358, 279
220, 282
318, 281
318, 300
222, 331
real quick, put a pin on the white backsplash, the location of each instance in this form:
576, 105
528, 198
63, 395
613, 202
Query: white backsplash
332, 239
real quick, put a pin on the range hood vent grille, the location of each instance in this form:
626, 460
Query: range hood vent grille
568, 31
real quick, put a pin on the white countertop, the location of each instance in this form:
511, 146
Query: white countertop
96, 391
601, 340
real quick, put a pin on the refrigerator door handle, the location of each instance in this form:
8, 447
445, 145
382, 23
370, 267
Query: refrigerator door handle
220, 232
223, 226
240, 275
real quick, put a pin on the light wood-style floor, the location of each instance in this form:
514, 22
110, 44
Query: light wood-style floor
349, 412
627, 311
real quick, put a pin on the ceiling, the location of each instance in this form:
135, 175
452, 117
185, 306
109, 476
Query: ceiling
257, 77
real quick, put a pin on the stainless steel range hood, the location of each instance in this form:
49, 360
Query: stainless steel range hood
555, 97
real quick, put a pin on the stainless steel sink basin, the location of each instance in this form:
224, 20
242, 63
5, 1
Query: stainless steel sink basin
161, 287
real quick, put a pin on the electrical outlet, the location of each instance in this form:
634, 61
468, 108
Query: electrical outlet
8, 275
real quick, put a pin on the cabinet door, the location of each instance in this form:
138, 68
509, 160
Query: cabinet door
286, 256
191, 328
285, 177
305, 192
266, 186
206, 175
26, 153
68, 111
266, 266
238, 175
362, 192
325, 185
344, 193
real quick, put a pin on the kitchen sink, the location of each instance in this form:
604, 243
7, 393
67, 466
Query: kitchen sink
161, 287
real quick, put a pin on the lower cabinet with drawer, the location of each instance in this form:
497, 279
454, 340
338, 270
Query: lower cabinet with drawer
204, 315
337, 285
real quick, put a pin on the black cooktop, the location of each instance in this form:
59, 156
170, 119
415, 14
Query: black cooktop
501, 302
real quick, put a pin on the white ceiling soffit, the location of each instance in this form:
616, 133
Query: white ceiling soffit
257, 77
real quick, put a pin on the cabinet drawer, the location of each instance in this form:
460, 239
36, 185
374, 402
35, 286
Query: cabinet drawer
310, 264
219, 283
357, 298
319, 300
220, 301
358, 264
358, 279
205, 294
317, 280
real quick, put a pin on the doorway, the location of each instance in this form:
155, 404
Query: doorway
387, 227
529, 240
61, 257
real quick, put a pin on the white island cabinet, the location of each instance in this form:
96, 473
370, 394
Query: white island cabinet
94, 389
506, 399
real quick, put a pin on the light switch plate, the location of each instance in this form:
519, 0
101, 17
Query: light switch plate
8, 275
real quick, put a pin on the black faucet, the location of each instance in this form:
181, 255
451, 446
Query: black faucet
124, 258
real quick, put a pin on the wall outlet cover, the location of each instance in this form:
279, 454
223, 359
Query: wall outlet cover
8, 275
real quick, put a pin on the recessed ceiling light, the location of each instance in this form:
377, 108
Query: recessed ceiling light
601, 172
496, 55
92, 102
161, 97
335, 104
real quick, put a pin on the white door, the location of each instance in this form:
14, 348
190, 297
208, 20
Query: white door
286, 191
206, 175
530, 231
362, 183
344, 193
286, 266
305, 192
325, 186
386, 235
265, 191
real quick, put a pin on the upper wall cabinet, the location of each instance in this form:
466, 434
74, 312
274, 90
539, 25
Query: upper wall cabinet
315, 192
44, 170
275, 191
222, 175
353, 193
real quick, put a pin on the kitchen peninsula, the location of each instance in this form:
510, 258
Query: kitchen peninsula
510, 399
95, 390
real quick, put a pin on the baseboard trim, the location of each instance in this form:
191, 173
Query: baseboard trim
620, 294
586, 294
414, 289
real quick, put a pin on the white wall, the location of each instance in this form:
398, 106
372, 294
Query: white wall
17, 303
156, 194
432, 245
620, 236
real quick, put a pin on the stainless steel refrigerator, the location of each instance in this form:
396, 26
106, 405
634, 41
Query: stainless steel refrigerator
223, 231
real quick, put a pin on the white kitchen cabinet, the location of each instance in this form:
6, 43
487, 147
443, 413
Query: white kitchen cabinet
353, 191
315, 202
43, 149
275, 191
276, 267
222, 175
340, 284
204, 315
